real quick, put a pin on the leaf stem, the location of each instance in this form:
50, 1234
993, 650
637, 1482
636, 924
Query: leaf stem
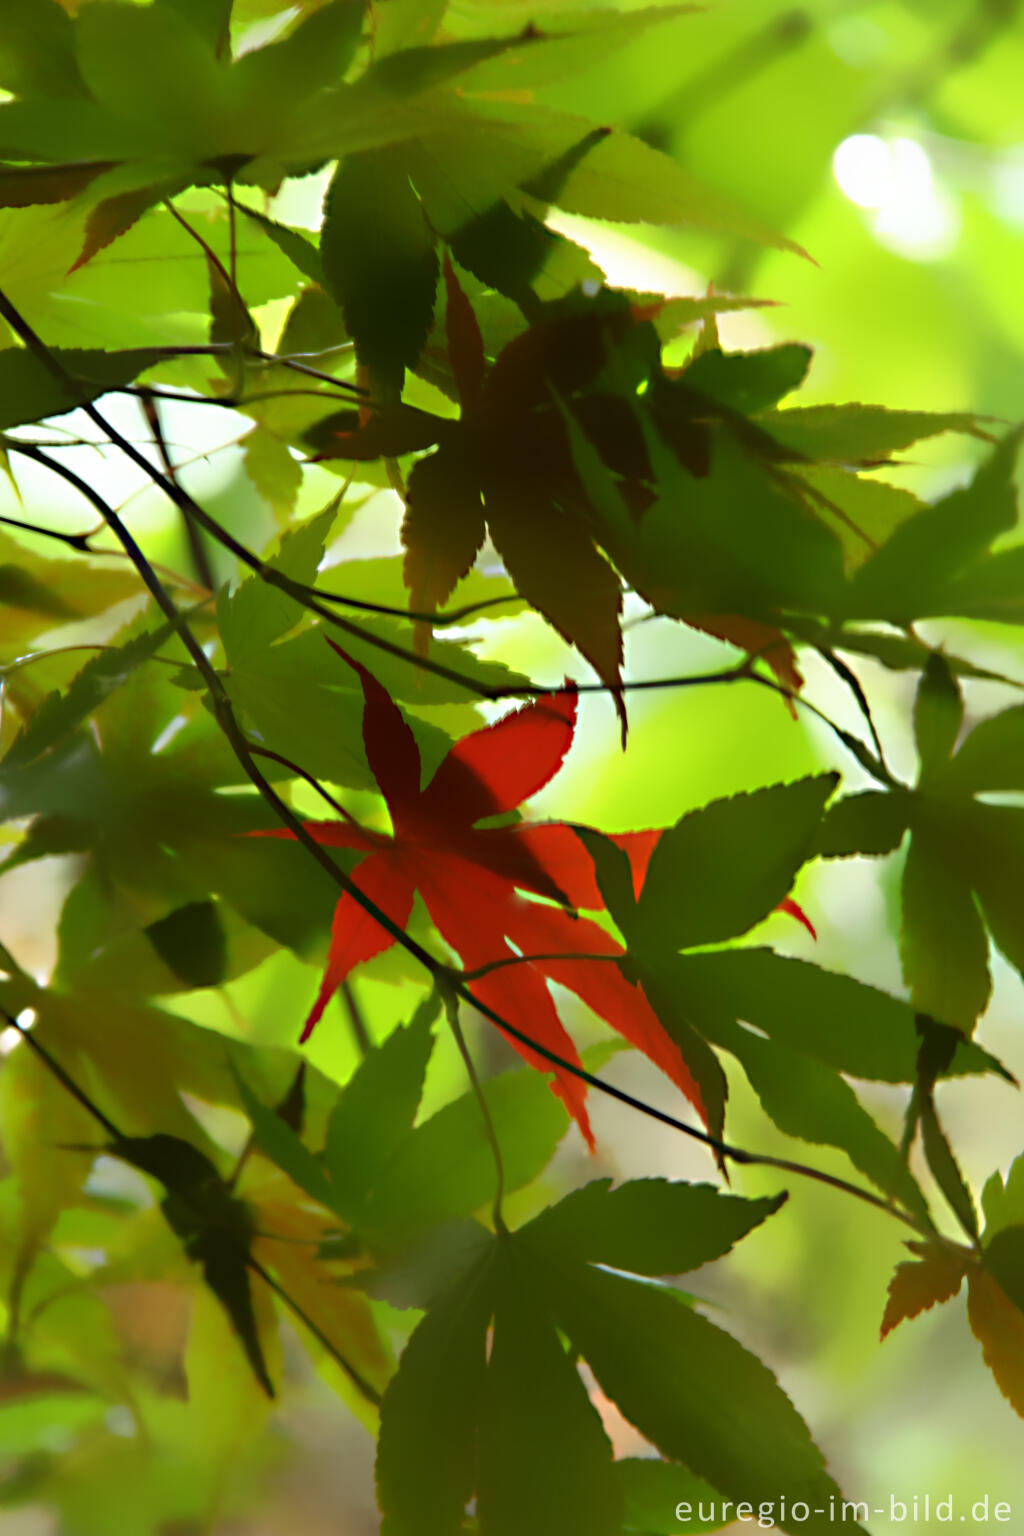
362, 1386
451, 1008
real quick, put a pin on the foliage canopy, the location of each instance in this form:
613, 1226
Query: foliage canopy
185, 695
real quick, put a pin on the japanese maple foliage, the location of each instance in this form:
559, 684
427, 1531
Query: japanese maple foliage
469, 877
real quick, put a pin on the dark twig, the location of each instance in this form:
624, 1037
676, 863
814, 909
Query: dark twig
197, 549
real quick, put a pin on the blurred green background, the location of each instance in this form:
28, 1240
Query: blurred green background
888, 139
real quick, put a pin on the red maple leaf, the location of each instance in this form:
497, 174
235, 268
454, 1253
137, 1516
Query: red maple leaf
469, 877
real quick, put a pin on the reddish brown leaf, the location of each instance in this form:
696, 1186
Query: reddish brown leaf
465, 343
115, 216
999, 1328
24, 185
552, 560
442, 530
567, 353
922, 1283
386, 434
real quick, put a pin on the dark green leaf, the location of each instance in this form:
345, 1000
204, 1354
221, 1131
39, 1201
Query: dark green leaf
1004, 1258
858, 434
295, 243
723, 868
1003, 1203
214, 1227
225, 1272
944, 1169
695, 1392
545, 1463
426, 1453
210, 18
622, 178
191, 941
748, 381
375, 1113
872, 822
913, 574
654, 1490
314, 324
938, 715
380, 263
851, 1027
994, 849
316, 54
658, 983
37, 50
726, 536
648, 1226
445, 1169
149, 66
614, 876
284, 1146
943, 944
257, 614
992, 756
29, 391
809, 1100
59, 714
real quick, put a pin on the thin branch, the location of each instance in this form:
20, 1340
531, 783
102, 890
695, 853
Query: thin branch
480, 971
350, 1000
451, 1008
852, 681
62, 1077
362, 1386
76, 541
197, 549
302, 773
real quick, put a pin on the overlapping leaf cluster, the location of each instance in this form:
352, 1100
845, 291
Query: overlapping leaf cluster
438, 336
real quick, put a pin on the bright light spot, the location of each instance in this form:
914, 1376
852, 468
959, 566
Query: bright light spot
863, 168
857, 41
9, 1038
914, 216
120, 1421
1007, 190
169, 732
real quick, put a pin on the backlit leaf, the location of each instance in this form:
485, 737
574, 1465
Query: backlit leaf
694, 1391
999, 1328
375, 1113
29, 391
648, 1226
921, 1283
722, 869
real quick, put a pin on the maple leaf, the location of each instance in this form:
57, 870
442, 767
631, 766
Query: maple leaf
934, 1277
468, 877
